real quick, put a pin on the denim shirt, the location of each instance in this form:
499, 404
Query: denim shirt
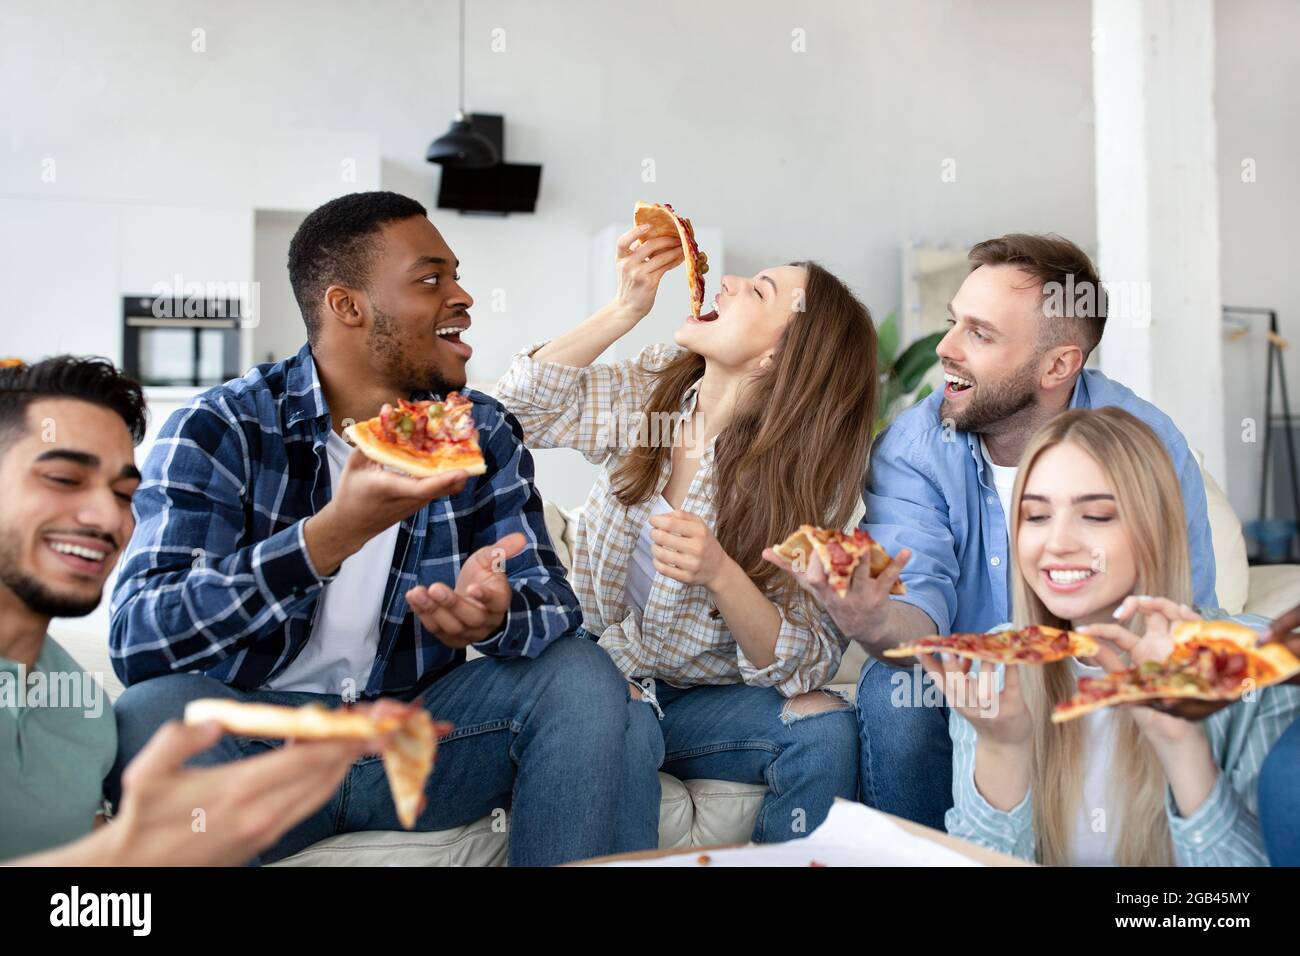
217, 577
929, 490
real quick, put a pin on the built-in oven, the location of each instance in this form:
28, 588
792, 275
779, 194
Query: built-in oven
172, 340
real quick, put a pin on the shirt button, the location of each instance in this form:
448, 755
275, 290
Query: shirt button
989, 499
995, 561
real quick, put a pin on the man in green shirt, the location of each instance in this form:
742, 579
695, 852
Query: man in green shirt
68, 427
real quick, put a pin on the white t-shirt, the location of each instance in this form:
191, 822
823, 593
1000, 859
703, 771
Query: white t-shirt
641, 569
345, 634
1096, 829
1004, 479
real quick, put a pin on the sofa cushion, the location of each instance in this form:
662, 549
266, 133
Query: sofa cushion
482, 843
724, 812
1274, 589
478, 844
1231, 567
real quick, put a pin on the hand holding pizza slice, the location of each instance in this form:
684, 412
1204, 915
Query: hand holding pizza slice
663, 220
1210, 661
408, 734
839, 554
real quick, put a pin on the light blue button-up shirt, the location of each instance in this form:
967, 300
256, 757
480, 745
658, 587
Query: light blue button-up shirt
1222, 831
929, 490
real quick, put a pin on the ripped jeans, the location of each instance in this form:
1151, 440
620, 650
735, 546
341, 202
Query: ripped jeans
749, 735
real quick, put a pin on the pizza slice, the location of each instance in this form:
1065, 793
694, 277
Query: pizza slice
422, 438
1035, 644
408, 755
839, 554
1211, 660
664, 221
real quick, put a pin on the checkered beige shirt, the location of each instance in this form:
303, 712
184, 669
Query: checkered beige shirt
593, 410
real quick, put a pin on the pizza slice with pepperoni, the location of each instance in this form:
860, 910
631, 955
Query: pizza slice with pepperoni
1036, 644
409, 751
1211, 660
839, 554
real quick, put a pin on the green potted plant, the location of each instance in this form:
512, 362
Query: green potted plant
901, 374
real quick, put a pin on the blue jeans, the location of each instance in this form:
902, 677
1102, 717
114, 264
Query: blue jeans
745, 734
547, 737
1279, 799
906, 754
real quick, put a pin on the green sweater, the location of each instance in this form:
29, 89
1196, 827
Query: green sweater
58, 740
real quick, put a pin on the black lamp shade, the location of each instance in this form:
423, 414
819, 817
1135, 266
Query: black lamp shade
462, 147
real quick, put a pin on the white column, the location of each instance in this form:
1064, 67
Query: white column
1158, 209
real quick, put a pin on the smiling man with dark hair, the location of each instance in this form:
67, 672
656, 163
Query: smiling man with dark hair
274, 563
68, 427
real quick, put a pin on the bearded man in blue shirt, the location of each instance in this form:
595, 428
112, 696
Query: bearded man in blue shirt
1022, 326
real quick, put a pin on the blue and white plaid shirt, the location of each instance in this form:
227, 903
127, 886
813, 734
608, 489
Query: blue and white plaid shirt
217, 578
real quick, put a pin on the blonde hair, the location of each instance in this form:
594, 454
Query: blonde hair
1150, 505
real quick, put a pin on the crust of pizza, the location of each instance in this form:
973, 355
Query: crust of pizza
666, 222
408, 756
1185, 632
1074, 708
809, 539
1269, 663
1080, 645
441, 458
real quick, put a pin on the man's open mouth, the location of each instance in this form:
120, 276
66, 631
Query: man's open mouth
86, 555
955, 383
450, 333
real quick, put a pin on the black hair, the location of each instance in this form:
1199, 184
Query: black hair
336, 245
86, 379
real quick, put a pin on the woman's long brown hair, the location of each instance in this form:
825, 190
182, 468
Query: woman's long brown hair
795, 451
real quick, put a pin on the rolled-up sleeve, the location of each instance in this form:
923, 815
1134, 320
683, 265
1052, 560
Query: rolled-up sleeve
973, 818
585, 408
907, 509
805, 658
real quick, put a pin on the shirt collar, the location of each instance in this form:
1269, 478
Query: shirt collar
303, 395
1079, 397
691, 397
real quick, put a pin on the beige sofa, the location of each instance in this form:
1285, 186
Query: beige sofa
700, 812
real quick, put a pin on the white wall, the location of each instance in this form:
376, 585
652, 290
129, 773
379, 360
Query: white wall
1258, 77
835, 153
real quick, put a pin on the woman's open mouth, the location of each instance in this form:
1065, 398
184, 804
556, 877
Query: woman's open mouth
705, 317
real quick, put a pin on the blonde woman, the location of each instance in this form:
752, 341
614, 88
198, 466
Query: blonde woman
758, 419
1097, 527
